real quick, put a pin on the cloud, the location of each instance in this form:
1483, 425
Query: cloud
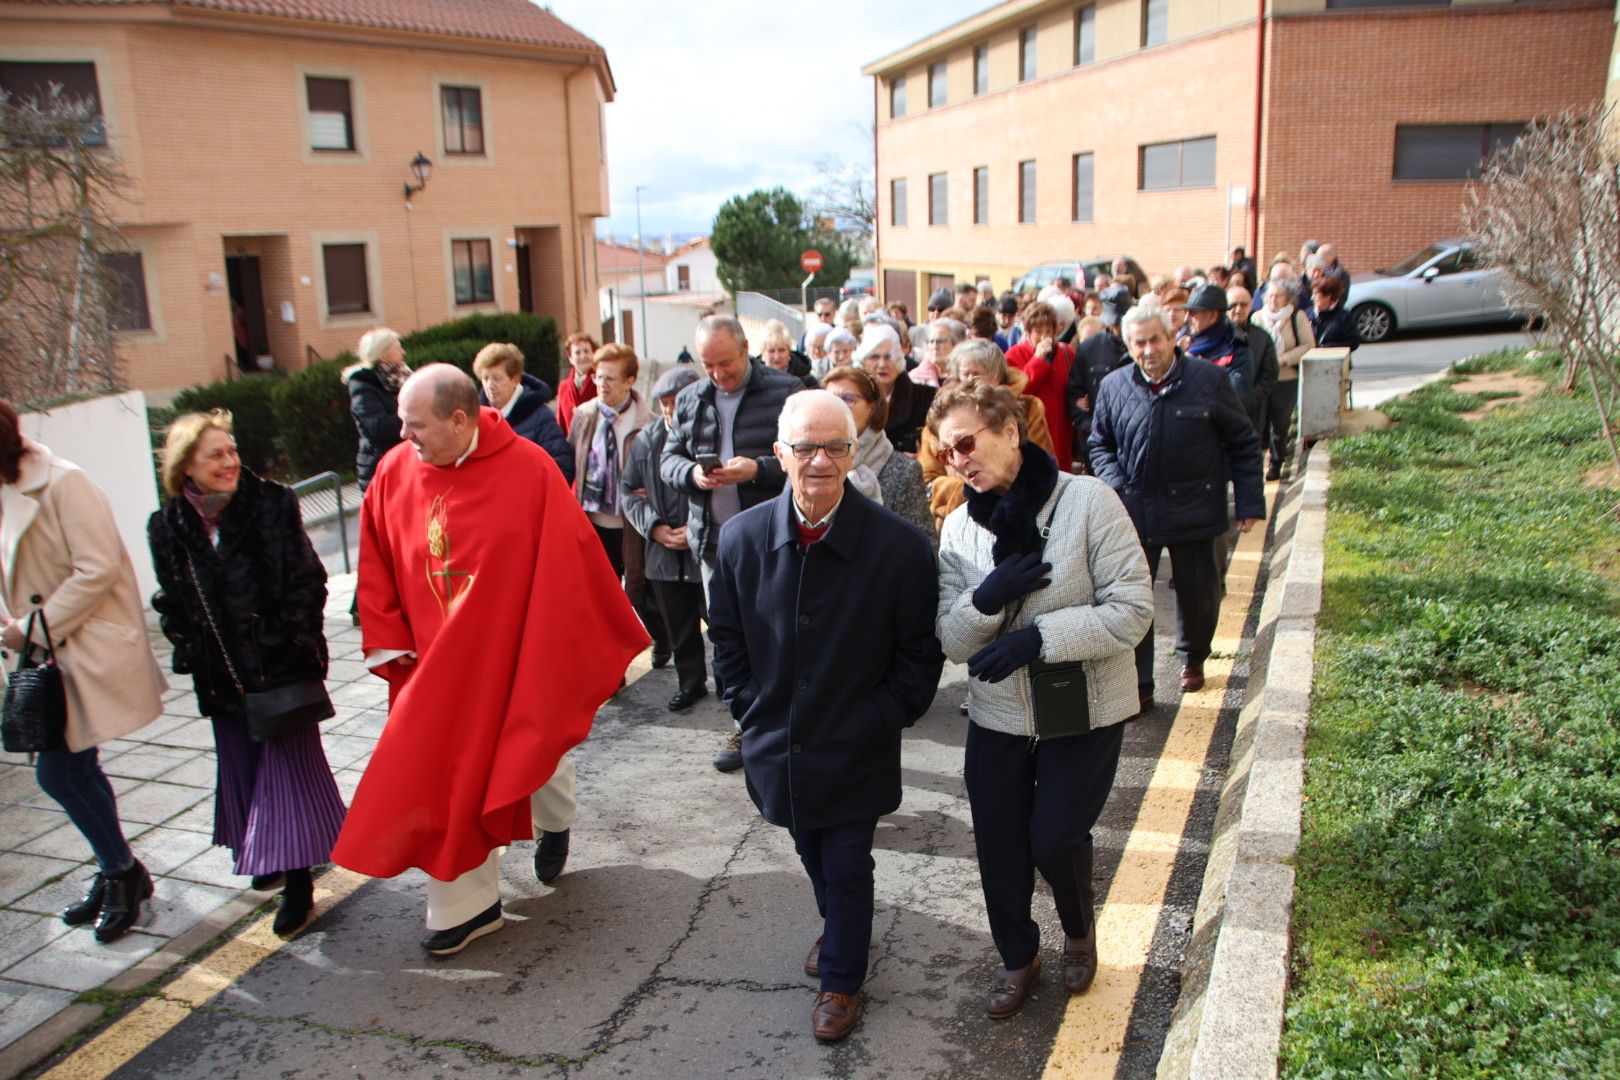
717, 99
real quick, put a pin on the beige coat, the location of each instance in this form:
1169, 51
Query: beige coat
60, 549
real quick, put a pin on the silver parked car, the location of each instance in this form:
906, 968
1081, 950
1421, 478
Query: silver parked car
1442, 285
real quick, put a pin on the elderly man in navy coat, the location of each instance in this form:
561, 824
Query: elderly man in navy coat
822, 618
1170, 435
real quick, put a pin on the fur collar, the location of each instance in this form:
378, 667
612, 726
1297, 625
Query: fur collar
1013, 518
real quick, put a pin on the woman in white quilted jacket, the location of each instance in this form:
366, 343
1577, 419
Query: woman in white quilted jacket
1036, 565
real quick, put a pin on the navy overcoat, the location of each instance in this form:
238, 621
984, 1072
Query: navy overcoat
827, 654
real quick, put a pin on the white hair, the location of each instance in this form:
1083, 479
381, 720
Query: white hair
1149, 307
786, 423
374, 344
1314, 262
1062, 307
840, 336
874, 335
819, 330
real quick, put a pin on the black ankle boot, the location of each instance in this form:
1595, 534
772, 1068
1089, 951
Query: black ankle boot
265, 882
121, 902
297, 903
86, 910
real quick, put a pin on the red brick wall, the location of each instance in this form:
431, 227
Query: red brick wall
1339, 83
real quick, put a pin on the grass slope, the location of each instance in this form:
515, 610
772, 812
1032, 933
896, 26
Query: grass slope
1458, 909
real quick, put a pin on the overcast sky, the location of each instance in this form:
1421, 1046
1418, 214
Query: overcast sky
718, 98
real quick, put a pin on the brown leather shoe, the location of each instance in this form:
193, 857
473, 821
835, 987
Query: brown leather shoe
835, 1015
812, 962
1192, 678
1080, 961
1011, 989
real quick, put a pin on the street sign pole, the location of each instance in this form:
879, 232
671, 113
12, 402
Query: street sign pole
810, 262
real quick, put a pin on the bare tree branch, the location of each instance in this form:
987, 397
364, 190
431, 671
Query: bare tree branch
1547, 212
57, 299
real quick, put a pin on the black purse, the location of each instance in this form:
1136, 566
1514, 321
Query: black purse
35, 711
1057, 691
277, 710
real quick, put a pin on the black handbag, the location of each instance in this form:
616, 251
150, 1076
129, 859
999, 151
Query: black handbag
35, 711
275, 711
1058, 694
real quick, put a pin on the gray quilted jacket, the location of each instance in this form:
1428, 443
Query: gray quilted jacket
1097, 608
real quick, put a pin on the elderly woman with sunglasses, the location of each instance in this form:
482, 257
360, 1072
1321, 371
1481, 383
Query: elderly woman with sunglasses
886, 477
982, 360
1041, 565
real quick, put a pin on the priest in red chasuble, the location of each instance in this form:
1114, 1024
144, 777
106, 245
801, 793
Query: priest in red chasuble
487, 604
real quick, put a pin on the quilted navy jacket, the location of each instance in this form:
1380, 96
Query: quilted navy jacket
1171, 455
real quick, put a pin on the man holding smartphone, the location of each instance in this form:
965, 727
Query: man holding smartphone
721, 452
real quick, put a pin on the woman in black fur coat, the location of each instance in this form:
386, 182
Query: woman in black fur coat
241, 597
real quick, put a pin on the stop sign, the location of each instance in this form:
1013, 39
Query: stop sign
810, 261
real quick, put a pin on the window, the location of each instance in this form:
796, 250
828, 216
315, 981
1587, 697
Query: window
981, 69
938, 203
1083, 186
1026, 192
897, 96
463, 119
1186, 164
470, 263
27, 80
1155, 22
936, 84
897, 203
1026, 54
126, 277
1448, 151
1085, 35
331, 114
683, 278
981, 195
347, 292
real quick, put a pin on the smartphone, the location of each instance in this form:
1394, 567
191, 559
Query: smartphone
708, 462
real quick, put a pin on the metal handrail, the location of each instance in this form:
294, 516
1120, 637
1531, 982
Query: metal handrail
314, 483
311, 357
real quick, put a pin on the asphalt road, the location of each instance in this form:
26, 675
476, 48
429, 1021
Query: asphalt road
1409, 360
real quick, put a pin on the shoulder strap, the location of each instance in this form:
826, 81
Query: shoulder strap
208, 614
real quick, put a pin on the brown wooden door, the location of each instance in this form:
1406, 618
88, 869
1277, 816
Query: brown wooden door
901, 286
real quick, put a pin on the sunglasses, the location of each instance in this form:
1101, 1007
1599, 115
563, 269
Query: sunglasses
839, 448
962, 447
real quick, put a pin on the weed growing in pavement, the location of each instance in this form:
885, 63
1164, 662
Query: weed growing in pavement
1458, 907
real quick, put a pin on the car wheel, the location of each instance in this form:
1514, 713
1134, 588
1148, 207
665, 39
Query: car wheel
1374, 322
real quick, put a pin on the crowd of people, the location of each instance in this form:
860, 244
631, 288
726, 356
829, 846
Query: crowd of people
996, 485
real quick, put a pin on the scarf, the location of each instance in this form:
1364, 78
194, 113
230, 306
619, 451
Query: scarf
1214, 344
1272, 322
872, 451
208, 506
1013, 518
393, 375
601, 492
925, 374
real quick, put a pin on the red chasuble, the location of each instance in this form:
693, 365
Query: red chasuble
493, 576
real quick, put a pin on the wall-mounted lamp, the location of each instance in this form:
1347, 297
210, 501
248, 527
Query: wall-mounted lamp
422, 168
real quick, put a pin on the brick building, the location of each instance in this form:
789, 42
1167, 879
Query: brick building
1039, 131
269, 144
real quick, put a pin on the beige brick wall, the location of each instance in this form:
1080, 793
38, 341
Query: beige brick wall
210, 126
1337, 84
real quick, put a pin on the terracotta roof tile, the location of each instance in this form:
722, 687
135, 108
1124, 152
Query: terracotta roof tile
517, 21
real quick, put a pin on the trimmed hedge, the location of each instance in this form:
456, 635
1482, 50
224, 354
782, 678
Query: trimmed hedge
253, 416
317, 429
534, 335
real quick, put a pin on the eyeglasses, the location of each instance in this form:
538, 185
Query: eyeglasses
838, 448
962, 447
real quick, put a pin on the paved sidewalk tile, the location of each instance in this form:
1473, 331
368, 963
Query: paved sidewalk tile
24, 1007
78, 962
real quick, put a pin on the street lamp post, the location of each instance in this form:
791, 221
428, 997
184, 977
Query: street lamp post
641, 272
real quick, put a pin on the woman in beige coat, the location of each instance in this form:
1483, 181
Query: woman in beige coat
60, 554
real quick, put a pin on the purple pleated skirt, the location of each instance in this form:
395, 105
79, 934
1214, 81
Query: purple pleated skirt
276, 805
